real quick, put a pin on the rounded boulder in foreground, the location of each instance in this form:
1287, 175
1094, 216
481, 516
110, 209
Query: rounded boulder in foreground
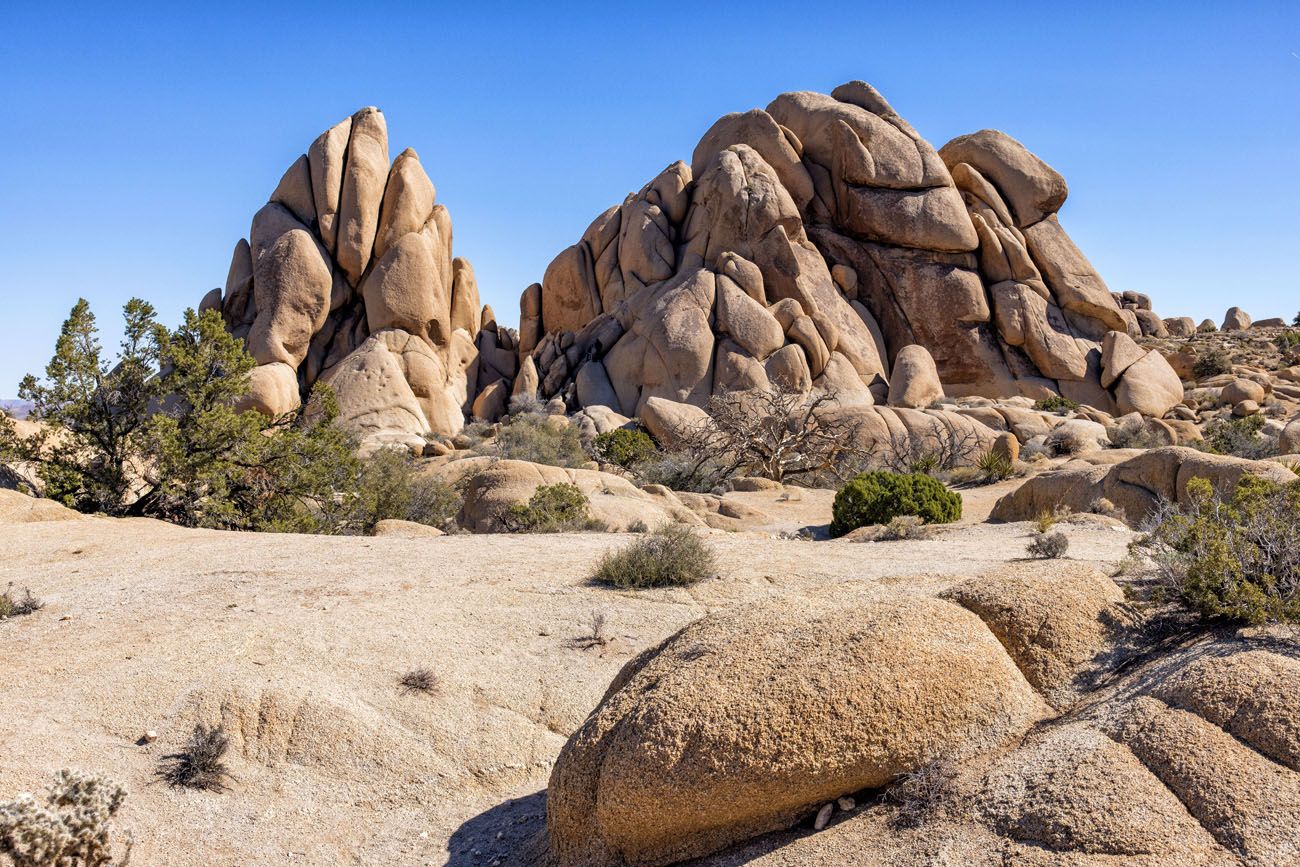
745, 722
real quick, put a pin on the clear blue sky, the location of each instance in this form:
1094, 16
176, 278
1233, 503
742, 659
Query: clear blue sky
138, 141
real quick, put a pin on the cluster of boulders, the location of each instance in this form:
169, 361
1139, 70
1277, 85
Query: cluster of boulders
1005, 710
818, 244
348, 278
813, 244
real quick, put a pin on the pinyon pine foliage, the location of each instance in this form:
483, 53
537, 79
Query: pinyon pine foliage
156, 432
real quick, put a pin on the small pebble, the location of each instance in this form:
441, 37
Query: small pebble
150, 736
823, 817
846, 804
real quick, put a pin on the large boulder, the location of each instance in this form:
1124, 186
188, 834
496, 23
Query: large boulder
1236, 319
1149, 386
746, 721
1136, 485
492, 487
915, 380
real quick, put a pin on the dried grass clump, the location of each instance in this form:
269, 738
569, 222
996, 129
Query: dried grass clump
671, 556
419, 680
1048, 546
199, 765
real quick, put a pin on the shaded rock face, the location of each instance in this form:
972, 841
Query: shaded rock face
348, 277
810, 243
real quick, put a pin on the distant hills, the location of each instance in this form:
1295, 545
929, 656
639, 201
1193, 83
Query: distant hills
16, 408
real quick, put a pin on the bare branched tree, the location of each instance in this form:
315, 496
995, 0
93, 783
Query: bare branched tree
776, 433
933, 452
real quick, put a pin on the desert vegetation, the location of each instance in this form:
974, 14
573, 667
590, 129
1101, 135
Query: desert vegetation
200, 763
669, 556
1230, 557
16, 604
551, 509
73, 826
157, 432
880, 496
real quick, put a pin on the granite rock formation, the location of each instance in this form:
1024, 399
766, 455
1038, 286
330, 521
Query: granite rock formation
811, 243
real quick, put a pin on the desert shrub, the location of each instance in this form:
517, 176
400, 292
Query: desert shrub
596, 634
199, 764
1236, 436
880, 496
1046, 519
419, 680
994, 466
551, 509
12, 605
921, 796
680, 469
71, 828
1287, 339
527, 404
672, 556
929, 453
1214, 362
904, 527
1132, 434
389, 486
623, 447
532, 438
1103, 506
1063, 442
1056, 403
1048, 546
1230, 557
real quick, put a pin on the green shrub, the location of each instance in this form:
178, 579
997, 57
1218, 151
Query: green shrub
1287, 339
1233, 558
1212, 363
671, 556
994, 466
389, 486
1236, 436
879, 497
623, 447
1056, 403
551, 509
532, 437
72, 827
1132, 434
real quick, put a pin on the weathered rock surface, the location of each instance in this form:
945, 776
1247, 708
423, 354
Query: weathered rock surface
1135, 485
347, 248
809, 244
687, 753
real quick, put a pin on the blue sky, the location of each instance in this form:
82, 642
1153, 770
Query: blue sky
139, 140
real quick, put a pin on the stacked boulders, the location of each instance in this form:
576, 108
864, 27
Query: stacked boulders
348, 278
812, 244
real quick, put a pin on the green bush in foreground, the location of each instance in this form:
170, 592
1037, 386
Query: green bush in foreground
623, 447
551, 509
671, 556
879, 497
1232, 558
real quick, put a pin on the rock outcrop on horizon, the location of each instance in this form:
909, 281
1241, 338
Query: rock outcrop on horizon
818, 244
348, 278
811, 243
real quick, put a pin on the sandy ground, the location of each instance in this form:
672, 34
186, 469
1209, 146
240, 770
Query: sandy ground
296, 644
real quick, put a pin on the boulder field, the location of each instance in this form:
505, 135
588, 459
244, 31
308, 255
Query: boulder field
820, 243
